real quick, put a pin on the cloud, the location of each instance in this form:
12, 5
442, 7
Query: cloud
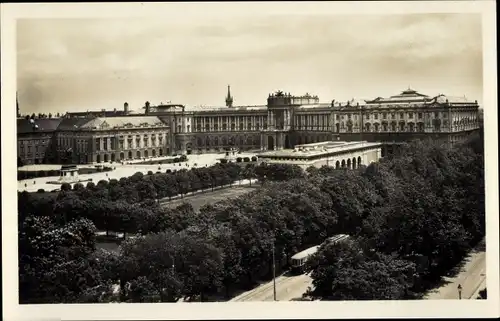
67, 64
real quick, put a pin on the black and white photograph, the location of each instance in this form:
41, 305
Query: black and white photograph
262, 156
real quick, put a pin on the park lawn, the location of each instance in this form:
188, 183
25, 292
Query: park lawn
198, 200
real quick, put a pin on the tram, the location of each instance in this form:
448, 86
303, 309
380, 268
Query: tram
298, 261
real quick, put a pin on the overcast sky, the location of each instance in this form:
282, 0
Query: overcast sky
83, 64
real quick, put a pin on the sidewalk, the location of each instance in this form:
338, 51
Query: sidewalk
472, 278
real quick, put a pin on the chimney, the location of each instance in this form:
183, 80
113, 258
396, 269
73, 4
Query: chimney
125, 108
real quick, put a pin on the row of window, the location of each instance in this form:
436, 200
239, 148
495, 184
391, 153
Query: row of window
214, 141
224, 127
32, 142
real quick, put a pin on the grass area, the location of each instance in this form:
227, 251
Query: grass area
200, 199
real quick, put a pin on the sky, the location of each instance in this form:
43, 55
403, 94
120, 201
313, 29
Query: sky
91, 64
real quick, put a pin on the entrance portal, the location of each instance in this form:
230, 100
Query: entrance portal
287, 142
270, 143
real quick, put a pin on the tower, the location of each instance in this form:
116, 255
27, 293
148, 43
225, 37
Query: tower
125, 108
17, 107
229, 98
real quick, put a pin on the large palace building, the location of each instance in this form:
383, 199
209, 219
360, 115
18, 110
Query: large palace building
284, 122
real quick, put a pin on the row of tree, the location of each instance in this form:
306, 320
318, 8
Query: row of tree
428, 211
129, 205
411, 218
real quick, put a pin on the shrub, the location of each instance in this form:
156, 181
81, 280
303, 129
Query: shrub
254, 158
223, 161
183, 158
65, 187
150, 172
168, 171
78, 186
246, 159
176, 160
40, 190
239, 159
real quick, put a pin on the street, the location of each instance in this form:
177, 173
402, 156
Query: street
287, 288
471, 278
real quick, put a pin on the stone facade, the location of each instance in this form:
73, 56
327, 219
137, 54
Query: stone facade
284, 122
337, 154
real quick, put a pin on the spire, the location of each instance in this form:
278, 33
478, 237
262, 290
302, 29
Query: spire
17, 107
229, 98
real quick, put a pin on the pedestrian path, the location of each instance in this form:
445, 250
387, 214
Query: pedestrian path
467, 283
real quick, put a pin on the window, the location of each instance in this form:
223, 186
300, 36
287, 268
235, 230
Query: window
436, 114
393, 116
179, 128
224, 126
199, 127
241, 126
97, 144
384, 115
145, 141
337, 117
105, 144
419, 115
376, 116
188, 128
216, 127
410, 115
207, 127
367, 116
402, 115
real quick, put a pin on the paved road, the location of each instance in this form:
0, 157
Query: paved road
287, 288
472, 278
126, 170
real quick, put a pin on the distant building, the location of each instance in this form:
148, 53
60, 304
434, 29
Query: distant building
103, 139
35, 140
284, 122
338, 154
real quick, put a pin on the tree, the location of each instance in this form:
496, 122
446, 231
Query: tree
65, 187
344, 272
152, 257
249, 172
52, 261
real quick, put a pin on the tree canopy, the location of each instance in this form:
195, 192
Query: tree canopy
411, 218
